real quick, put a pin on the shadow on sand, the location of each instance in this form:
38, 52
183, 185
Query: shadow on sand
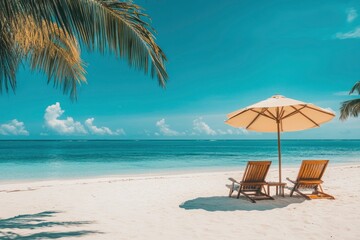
39, 221
222, 203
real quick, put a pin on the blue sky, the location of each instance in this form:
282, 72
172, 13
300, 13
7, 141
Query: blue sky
223, 55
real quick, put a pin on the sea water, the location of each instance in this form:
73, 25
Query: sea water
78, 158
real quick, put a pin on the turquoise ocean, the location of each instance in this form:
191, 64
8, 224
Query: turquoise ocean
23, 160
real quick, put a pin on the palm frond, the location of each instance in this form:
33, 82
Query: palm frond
356, 88
350, 108
52, 51
135, 39
105, 25
9, 58
118, 28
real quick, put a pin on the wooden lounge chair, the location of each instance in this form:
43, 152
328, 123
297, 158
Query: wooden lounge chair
253, 181
309, 177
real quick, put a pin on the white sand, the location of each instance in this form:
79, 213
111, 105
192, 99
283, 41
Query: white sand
186, 206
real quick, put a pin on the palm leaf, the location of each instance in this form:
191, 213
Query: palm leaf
105, 25
350, 108
119, 28
52, 51
9, 58
356, 88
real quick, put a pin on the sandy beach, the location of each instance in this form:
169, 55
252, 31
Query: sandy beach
180, 206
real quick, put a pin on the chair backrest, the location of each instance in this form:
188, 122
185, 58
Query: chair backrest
256, 171
312, 169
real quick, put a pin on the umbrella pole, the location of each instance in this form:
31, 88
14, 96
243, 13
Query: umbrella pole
279, 149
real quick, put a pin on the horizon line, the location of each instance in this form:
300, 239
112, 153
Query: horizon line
201, 139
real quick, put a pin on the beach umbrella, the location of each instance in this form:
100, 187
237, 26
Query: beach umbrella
279, 114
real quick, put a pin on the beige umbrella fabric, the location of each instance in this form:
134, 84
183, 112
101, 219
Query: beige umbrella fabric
279, 114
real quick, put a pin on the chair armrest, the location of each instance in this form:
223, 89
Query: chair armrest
310, 181
291, 180
233, 180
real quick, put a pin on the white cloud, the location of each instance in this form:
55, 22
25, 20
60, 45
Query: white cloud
66, 126
101, 130
165, 129
201, 127
351, 15
69, 126
235, 131
352, 34
224, 132
14, 127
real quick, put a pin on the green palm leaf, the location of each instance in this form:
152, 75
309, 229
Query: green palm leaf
52, 51
355, 88
108, 26
350, 108
9, 59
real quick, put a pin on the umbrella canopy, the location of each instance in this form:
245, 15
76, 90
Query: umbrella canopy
279, 114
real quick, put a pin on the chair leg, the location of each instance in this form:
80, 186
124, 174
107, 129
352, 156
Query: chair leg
303, 195
267, 195
238, 195
292, 191
248, 197
315, 191
263, 187
327, 195
231, 189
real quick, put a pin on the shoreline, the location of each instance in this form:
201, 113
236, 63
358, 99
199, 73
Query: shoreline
160, 174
